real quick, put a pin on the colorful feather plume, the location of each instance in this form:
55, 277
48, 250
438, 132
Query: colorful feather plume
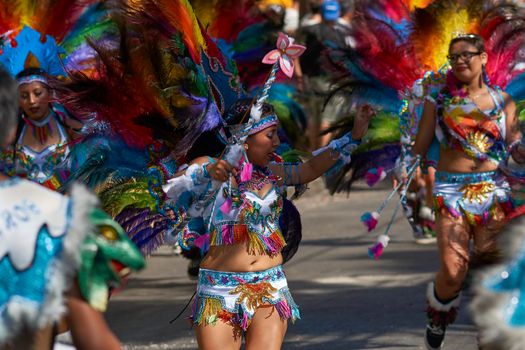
225, 19
159, 82
49, 17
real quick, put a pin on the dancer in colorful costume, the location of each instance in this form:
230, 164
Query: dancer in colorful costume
241, 285
178, 84
46, 129
57, 256
475, 123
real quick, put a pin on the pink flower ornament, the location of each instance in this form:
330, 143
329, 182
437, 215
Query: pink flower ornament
285, 53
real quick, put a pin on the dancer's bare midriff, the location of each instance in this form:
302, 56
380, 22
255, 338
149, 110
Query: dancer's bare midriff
455, 161
235, 258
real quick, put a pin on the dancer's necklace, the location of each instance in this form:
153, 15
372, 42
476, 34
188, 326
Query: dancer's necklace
41, 129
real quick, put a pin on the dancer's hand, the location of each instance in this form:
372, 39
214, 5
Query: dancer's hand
221, 170
400, 172
404, 165
364, 114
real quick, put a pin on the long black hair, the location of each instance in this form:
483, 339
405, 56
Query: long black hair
8, 104
211, 143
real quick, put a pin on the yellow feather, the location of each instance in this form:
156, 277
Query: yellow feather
27, 10
451, 22
263, 4
412, 4
205, 12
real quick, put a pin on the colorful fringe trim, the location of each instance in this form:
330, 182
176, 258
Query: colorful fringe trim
56, 181
440, 314
208, 310
441, 318
257, 244
441, 204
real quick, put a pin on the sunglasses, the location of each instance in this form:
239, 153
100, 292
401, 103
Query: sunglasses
466, 56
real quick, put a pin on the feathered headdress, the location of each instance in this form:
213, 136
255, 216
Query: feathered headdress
32, 33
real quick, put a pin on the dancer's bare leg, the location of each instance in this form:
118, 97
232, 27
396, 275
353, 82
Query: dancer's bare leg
453, 236
266, 331
430, 178
485, 237
220, 336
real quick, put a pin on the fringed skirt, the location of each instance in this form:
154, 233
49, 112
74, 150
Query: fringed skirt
233, 297
476, 196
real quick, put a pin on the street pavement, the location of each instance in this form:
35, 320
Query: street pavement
347, 300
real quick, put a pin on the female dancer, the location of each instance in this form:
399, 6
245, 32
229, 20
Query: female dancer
241, 285
477, 126
45, 128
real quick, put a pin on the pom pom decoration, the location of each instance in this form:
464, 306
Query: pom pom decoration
376, 250
374, 175
370, 220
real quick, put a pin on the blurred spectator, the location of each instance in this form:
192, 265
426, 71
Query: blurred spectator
326, 35
291, 18
313, 16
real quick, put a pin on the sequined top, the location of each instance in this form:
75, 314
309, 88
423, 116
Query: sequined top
461, 125
33, 223
242, 215
48, 167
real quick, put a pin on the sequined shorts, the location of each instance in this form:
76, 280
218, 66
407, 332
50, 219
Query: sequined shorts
233, 297
474, 195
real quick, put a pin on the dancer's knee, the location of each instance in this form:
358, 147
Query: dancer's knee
453, 273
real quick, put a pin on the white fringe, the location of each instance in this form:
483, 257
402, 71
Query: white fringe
488, 307
436, 304
65, 269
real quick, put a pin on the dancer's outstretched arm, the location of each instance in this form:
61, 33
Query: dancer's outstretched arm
338, 150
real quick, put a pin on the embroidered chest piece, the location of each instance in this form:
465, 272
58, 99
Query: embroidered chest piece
261, 177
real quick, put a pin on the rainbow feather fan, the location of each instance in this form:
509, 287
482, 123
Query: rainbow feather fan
68, 23
158, 84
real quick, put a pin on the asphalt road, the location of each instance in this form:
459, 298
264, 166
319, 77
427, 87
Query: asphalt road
347, 300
